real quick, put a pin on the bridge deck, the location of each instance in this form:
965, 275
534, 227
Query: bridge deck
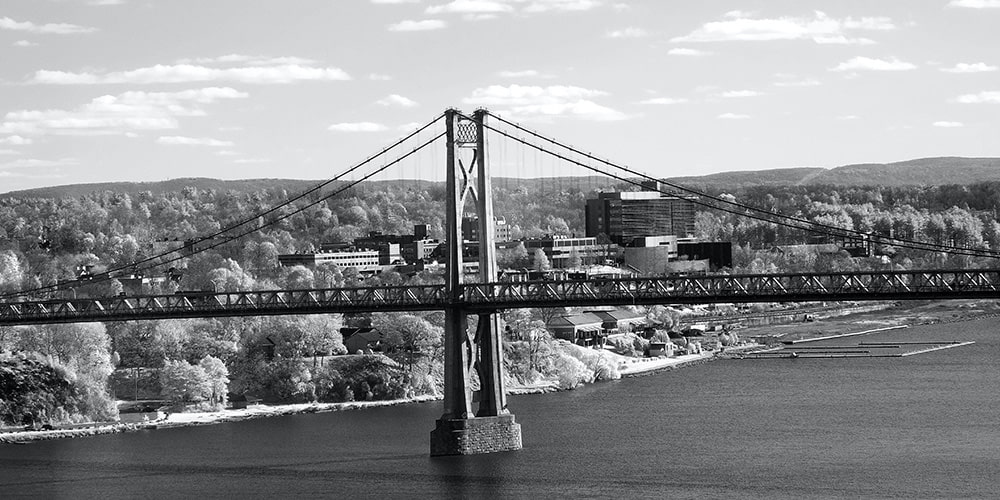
475, 297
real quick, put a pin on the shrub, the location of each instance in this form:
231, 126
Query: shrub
571, 371
35, 391
361, 378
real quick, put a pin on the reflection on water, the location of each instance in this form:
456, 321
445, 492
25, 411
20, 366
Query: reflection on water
921, 426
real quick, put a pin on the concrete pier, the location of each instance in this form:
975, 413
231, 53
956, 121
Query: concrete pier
471, 436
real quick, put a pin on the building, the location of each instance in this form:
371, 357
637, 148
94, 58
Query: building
624, 216
412, 248
619, 321
718, 253
561, 251
363, 340
583, 329
363, 260
470, 229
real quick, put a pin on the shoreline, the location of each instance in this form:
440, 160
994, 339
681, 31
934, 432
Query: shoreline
647, 366
632, 367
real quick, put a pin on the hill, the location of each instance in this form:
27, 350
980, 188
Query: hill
919, 172
291, 185
776, 176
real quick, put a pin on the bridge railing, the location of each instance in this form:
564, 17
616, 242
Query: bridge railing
785, 287
200, 304
781, 287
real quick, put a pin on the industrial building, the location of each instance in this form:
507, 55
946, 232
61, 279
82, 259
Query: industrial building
561, 250
624, 216
470, 229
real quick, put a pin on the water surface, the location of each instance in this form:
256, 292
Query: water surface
924, 426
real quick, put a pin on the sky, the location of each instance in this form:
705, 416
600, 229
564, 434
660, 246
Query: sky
145, 90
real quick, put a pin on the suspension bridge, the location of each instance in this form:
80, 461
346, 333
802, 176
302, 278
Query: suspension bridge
466, 427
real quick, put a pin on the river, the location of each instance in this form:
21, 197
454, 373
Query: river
925, 426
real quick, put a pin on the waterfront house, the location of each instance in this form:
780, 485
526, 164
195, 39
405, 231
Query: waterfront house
583, 329
619, 321
364, 340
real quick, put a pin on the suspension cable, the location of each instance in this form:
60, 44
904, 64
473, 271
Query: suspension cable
812, 226
154, 262
748, 210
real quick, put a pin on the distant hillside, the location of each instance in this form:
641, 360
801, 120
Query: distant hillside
291, 185
777, 176
159, 187
920, 172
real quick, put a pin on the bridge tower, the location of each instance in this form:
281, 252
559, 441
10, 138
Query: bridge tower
491, 427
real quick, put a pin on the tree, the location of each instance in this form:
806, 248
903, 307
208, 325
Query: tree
540, 261
667, 317
408, 334
11, 272
218, 379
231, 278
575, 260
182, 381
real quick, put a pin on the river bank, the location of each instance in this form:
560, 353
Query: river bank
627, 367
910, 314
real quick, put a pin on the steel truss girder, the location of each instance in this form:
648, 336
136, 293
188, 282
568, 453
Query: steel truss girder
477, 297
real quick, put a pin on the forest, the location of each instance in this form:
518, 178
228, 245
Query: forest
75, 372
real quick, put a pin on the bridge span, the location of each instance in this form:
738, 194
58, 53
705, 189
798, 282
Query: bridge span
477, 298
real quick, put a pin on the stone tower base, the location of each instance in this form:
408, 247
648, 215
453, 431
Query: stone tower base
472, 436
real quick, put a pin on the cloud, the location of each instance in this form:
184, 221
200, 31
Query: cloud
15, 140
990, 97
630, 32
682, 51
393, 2
732, 116
470, 7
37, 163
975, 4
7, 23
255, 60
518, 74
476, 10
970, 68
186, 73
378, 77
109, 114
252, 160
786, 80
357, 127
739, 93
561, 5
397, 100
176, 140
409, 127
425, 25
661, 101
540, 103
869, 64
9, 152
106, 2
949, 124
743, 26
24, 43
848, 117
